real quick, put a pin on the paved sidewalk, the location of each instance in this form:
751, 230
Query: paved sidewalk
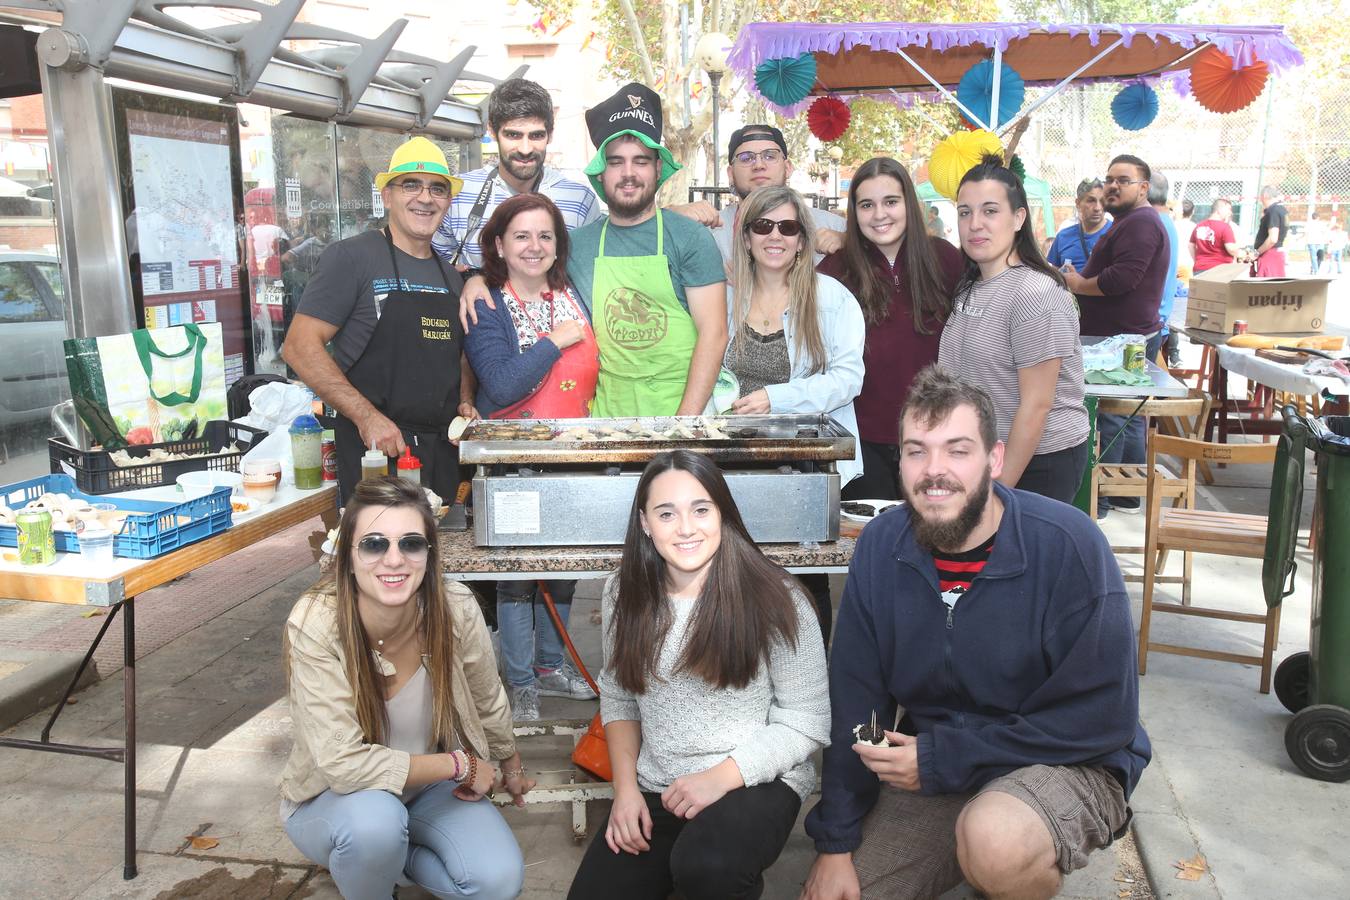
214, 731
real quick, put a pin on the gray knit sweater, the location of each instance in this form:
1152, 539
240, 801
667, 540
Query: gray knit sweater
770, 727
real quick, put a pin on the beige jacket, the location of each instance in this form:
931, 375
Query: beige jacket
329, 752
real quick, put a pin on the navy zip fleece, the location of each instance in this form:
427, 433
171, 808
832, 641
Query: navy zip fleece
1035, 664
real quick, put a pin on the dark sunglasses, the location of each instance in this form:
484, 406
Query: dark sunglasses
786, 227
373, 547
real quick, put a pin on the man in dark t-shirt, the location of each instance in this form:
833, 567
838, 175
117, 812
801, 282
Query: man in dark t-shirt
377, 336
1270, 235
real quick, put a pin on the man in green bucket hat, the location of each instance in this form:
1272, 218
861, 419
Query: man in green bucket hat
653, 283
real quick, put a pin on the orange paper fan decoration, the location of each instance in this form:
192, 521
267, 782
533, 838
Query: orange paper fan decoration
1221, 88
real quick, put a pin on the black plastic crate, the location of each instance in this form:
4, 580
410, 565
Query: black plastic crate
95, 472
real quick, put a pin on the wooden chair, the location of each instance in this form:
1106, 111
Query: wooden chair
1132, 479
1203, 531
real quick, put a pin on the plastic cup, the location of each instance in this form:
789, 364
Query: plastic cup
260, 487
96, 545
270, 467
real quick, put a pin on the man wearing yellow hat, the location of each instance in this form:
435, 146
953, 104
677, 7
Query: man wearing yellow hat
377, 332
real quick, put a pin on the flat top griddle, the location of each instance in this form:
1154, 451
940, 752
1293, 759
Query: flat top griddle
727, 439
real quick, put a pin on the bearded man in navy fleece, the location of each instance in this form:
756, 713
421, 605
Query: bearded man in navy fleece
1120, 292
997, 620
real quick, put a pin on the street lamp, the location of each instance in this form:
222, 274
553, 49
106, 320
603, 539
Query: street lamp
836, 153
710, 54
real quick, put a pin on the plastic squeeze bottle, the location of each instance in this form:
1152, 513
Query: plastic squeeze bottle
374, 464
306, 452
410, 467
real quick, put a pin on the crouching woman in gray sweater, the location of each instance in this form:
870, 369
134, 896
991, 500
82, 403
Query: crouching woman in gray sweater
714, 695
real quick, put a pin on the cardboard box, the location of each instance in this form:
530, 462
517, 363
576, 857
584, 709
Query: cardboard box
1224, 294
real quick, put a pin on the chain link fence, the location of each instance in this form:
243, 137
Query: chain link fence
1295, 136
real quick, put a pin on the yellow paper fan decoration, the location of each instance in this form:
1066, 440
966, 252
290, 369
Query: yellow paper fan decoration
956, 156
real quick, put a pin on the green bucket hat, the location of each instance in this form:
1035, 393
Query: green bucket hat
634, 110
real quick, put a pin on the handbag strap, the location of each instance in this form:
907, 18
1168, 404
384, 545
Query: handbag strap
146, 350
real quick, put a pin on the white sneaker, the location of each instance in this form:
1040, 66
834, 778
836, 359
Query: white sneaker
524, 703
565, 682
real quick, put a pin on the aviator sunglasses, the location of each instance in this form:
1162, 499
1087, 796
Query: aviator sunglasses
786, 227
373, 547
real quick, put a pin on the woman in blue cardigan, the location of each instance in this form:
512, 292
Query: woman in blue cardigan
535, 357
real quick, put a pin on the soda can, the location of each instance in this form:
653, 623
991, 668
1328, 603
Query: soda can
37, 539
1134, 358
328, 455
1240, 326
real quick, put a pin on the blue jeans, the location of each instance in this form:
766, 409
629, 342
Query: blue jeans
370, 841
528, 637
1129, 446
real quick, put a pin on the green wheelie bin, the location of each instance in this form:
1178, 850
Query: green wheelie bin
1315, 685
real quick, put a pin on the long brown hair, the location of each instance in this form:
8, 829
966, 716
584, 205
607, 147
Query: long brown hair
927, 288
1025, 245
434, 625
745, 604
802, 310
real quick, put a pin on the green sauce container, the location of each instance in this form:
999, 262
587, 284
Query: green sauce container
307, 452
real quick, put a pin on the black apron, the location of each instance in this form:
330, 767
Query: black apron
409, 371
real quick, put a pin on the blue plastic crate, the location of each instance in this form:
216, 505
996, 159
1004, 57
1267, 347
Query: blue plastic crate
152, 528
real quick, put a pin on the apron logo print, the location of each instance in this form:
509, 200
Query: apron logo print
633, 320
568, 385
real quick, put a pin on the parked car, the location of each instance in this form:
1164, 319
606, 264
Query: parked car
32, 331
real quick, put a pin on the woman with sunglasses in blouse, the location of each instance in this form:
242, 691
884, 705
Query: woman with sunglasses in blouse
400, 720
796, 336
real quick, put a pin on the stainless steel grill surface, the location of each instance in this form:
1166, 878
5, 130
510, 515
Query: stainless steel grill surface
571, 481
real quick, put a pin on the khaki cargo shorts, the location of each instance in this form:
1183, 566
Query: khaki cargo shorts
909, 840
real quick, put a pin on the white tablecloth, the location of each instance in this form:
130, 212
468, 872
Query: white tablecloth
1279, 376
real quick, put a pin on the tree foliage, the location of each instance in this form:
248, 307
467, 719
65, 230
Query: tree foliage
642, 43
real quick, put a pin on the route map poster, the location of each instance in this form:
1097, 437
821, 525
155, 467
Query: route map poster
180, 182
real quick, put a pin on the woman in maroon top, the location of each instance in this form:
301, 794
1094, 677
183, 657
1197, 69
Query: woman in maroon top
905, 289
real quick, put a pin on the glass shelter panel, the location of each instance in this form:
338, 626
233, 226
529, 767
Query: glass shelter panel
32, 316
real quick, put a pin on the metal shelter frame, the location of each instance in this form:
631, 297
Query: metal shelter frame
357, 81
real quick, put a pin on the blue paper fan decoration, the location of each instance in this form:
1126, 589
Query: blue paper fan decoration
786, 80
976, 91
1135, 106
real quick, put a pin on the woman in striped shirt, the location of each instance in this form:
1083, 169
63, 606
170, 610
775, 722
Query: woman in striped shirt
1014, 331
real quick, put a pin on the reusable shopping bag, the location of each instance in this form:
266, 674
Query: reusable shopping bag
150, 386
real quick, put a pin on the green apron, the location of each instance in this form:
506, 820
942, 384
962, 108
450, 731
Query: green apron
646, 337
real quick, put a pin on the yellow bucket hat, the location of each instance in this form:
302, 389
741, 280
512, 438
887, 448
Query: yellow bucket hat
419, 155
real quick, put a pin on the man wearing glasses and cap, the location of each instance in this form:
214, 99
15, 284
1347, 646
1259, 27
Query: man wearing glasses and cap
388, 307
1074, 242
757, 157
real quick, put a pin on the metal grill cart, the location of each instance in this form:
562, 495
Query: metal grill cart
551, 500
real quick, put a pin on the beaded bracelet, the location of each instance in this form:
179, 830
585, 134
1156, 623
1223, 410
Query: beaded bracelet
454, 756
513, 773
473, 770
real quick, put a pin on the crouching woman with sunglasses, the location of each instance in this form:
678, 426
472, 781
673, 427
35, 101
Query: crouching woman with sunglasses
714, 696
399, 716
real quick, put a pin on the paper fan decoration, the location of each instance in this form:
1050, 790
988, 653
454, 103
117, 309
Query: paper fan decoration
1221, 88
956, 156
786, 80
1134, 107
828, 118
976, 91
